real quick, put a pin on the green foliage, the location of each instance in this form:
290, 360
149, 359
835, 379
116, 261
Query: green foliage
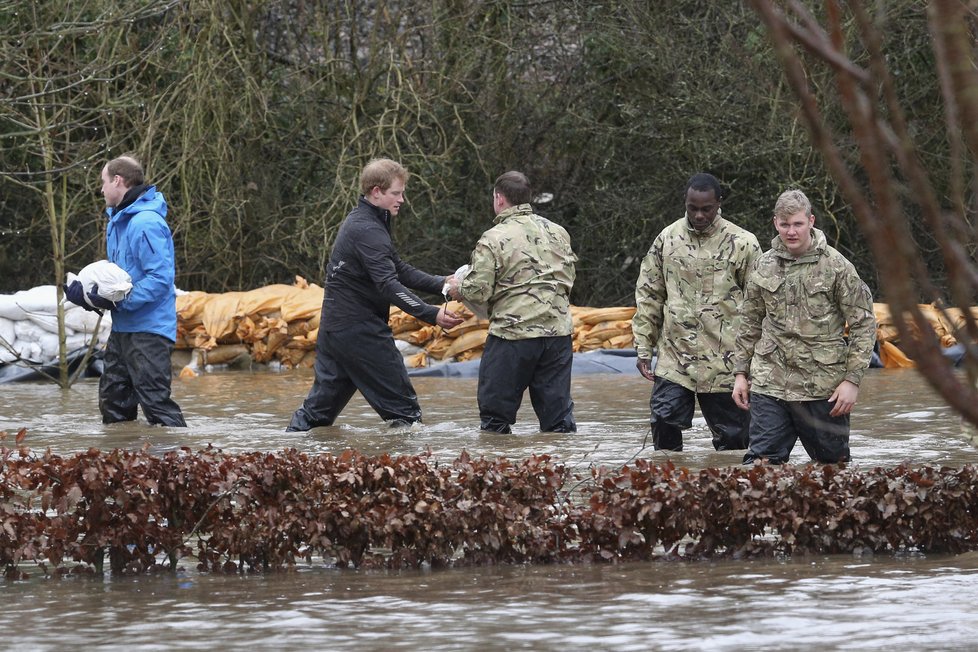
255, 118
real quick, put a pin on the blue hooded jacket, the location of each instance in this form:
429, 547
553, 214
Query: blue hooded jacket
138, 240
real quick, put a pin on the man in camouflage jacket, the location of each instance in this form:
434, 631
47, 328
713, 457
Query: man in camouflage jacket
687, 302
795, 371
523, 270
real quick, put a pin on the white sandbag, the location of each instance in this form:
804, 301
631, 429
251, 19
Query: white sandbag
77, 341
114, 283
42, 300
49, 346
28, 350
27, 331
6, 355
48, 322
80, 320
406, 348
9, 308
480, 310
7, 330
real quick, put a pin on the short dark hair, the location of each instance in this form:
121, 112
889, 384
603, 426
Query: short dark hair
127, 167
703, 181
515, 187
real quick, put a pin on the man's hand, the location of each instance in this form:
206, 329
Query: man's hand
453, 290
447, 318
844, 397
741, 391
644, 366
76, 294
98, 301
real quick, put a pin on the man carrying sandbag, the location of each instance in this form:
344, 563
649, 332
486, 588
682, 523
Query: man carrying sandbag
144, 323
523, 270
355, 347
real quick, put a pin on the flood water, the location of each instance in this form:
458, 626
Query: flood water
915, 602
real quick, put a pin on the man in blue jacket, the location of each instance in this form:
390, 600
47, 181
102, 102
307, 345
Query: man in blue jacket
355, 347
144, 324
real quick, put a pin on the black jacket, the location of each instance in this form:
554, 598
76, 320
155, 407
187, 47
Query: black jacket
365, 275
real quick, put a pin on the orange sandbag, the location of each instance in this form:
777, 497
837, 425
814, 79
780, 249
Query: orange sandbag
470, 340
263, 300
302, 303
190, 308
894, 358
219, 313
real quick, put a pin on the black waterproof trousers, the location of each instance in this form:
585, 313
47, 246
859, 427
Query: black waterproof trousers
672, 407
509, 367
137, 372
776, 425
361, 357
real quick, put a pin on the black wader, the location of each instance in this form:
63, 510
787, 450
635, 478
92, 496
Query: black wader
137, 372
777, 424
509, 367
672, 407
361, 357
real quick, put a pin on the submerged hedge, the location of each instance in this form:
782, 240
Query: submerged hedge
270, 511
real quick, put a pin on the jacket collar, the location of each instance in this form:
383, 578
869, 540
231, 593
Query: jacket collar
708, 231
522, 209
379, 213
819, 243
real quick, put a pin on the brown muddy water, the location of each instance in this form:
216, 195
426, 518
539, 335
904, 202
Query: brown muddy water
912, 602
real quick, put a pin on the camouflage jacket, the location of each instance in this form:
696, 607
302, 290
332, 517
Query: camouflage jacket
523, 270
791, 341
687, 301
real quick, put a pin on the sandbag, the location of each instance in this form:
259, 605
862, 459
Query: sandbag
190, 308
9, 308
264, 300
42, 300
302, 303
28, 350
114, 283
47, 322
7, 330
80, 320
480, 310
470, 340
27, 331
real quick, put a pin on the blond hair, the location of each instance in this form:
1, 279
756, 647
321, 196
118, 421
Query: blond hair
791, 202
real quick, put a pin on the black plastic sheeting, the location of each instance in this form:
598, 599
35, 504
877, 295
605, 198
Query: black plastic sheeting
602, 361
15, 372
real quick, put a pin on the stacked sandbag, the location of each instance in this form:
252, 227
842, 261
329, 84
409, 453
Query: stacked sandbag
602, 328
943, 323
421, 343
29, 326
273, 323
594, 328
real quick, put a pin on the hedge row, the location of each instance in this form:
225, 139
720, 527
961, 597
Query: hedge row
269, 511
